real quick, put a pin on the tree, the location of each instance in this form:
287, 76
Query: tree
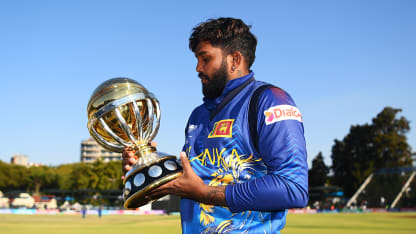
82, 177
351, 158
64, 178
109, 175
42, 176
319, 171
390, 142
19, 178
368, 147
4, 175
91, 180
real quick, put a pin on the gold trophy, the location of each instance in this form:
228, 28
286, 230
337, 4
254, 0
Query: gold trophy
122, 114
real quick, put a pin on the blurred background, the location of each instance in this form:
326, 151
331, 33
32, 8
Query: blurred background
349, 65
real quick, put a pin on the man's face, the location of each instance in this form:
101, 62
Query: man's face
212, 68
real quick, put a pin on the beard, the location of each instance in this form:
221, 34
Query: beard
216, 84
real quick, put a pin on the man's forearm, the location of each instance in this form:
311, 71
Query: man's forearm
267, 193
213, 195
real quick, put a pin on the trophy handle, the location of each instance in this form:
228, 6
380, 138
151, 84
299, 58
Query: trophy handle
154, 108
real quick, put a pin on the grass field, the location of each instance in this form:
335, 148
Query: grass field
118, 224
374, 223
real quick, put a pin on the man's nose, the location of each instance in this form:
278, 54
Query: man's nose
198, 68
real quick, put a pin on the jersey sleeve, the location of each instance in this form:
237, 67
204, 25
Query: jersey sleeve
282, 148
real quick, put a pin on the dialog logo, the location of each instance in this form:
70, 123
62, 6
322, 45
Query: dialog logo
222, 128
282, 112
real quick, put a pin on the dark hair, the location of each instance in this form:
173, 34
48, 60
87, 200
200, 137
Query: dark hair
228, 34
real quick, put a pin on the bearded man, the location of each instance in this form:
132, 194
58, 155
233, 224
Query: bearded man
244, 157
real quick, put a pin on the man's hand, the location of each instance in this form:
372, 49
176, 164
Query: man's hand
129, 159
190, 185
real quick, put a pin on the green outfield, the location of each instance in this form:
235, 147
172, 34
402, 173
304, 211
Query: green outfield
374, 223
121, 224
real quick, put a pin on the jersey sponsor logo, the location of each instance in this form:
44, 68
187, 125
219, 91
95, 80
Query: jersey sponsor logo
192, 127
282, 112
222, 128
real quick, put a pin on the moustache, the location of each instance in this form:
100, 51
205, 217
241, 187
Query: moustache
203, 76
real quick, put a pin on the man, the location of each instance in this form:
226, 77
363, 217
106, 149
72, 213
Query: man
229, 184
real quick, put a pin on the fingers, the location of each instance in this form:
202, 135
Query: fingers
126, 168
129, 158
128, 162
128, 153
159, 192
185, 162
154, 144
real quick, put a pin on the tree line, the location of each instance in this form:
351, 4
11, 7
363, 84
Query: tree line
366, 149
95, 183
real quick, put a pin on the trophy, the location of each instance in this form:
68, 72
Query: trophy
122, 114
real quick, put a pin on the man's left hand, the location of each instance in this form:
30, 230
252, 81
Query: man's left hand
190, 185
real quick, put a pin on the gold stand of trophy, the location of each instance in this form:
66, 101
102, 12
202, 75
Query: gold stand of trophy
122, 114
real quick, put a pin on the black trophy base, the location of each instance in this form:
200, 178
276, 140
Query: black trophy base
141, 182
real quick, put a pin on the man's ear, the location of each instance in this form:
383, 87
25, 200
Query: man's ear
237, 58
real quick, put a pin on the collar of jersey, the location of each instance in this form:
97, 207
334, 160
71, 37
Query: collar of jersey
212, 103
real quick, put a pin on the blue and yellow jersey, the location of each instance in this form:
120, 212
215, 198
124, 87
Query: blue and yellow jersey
261, 183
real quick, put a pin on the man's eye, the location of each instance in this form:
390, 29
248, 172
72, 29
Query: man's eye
205, 60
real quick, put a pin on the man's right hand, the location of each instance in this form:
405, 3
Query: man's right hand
129, 158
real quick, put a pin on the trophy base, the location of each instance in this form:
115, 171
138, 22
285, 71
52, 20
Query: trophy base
142, 181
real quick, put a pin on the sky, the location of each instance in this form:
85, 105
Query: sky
341, 61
